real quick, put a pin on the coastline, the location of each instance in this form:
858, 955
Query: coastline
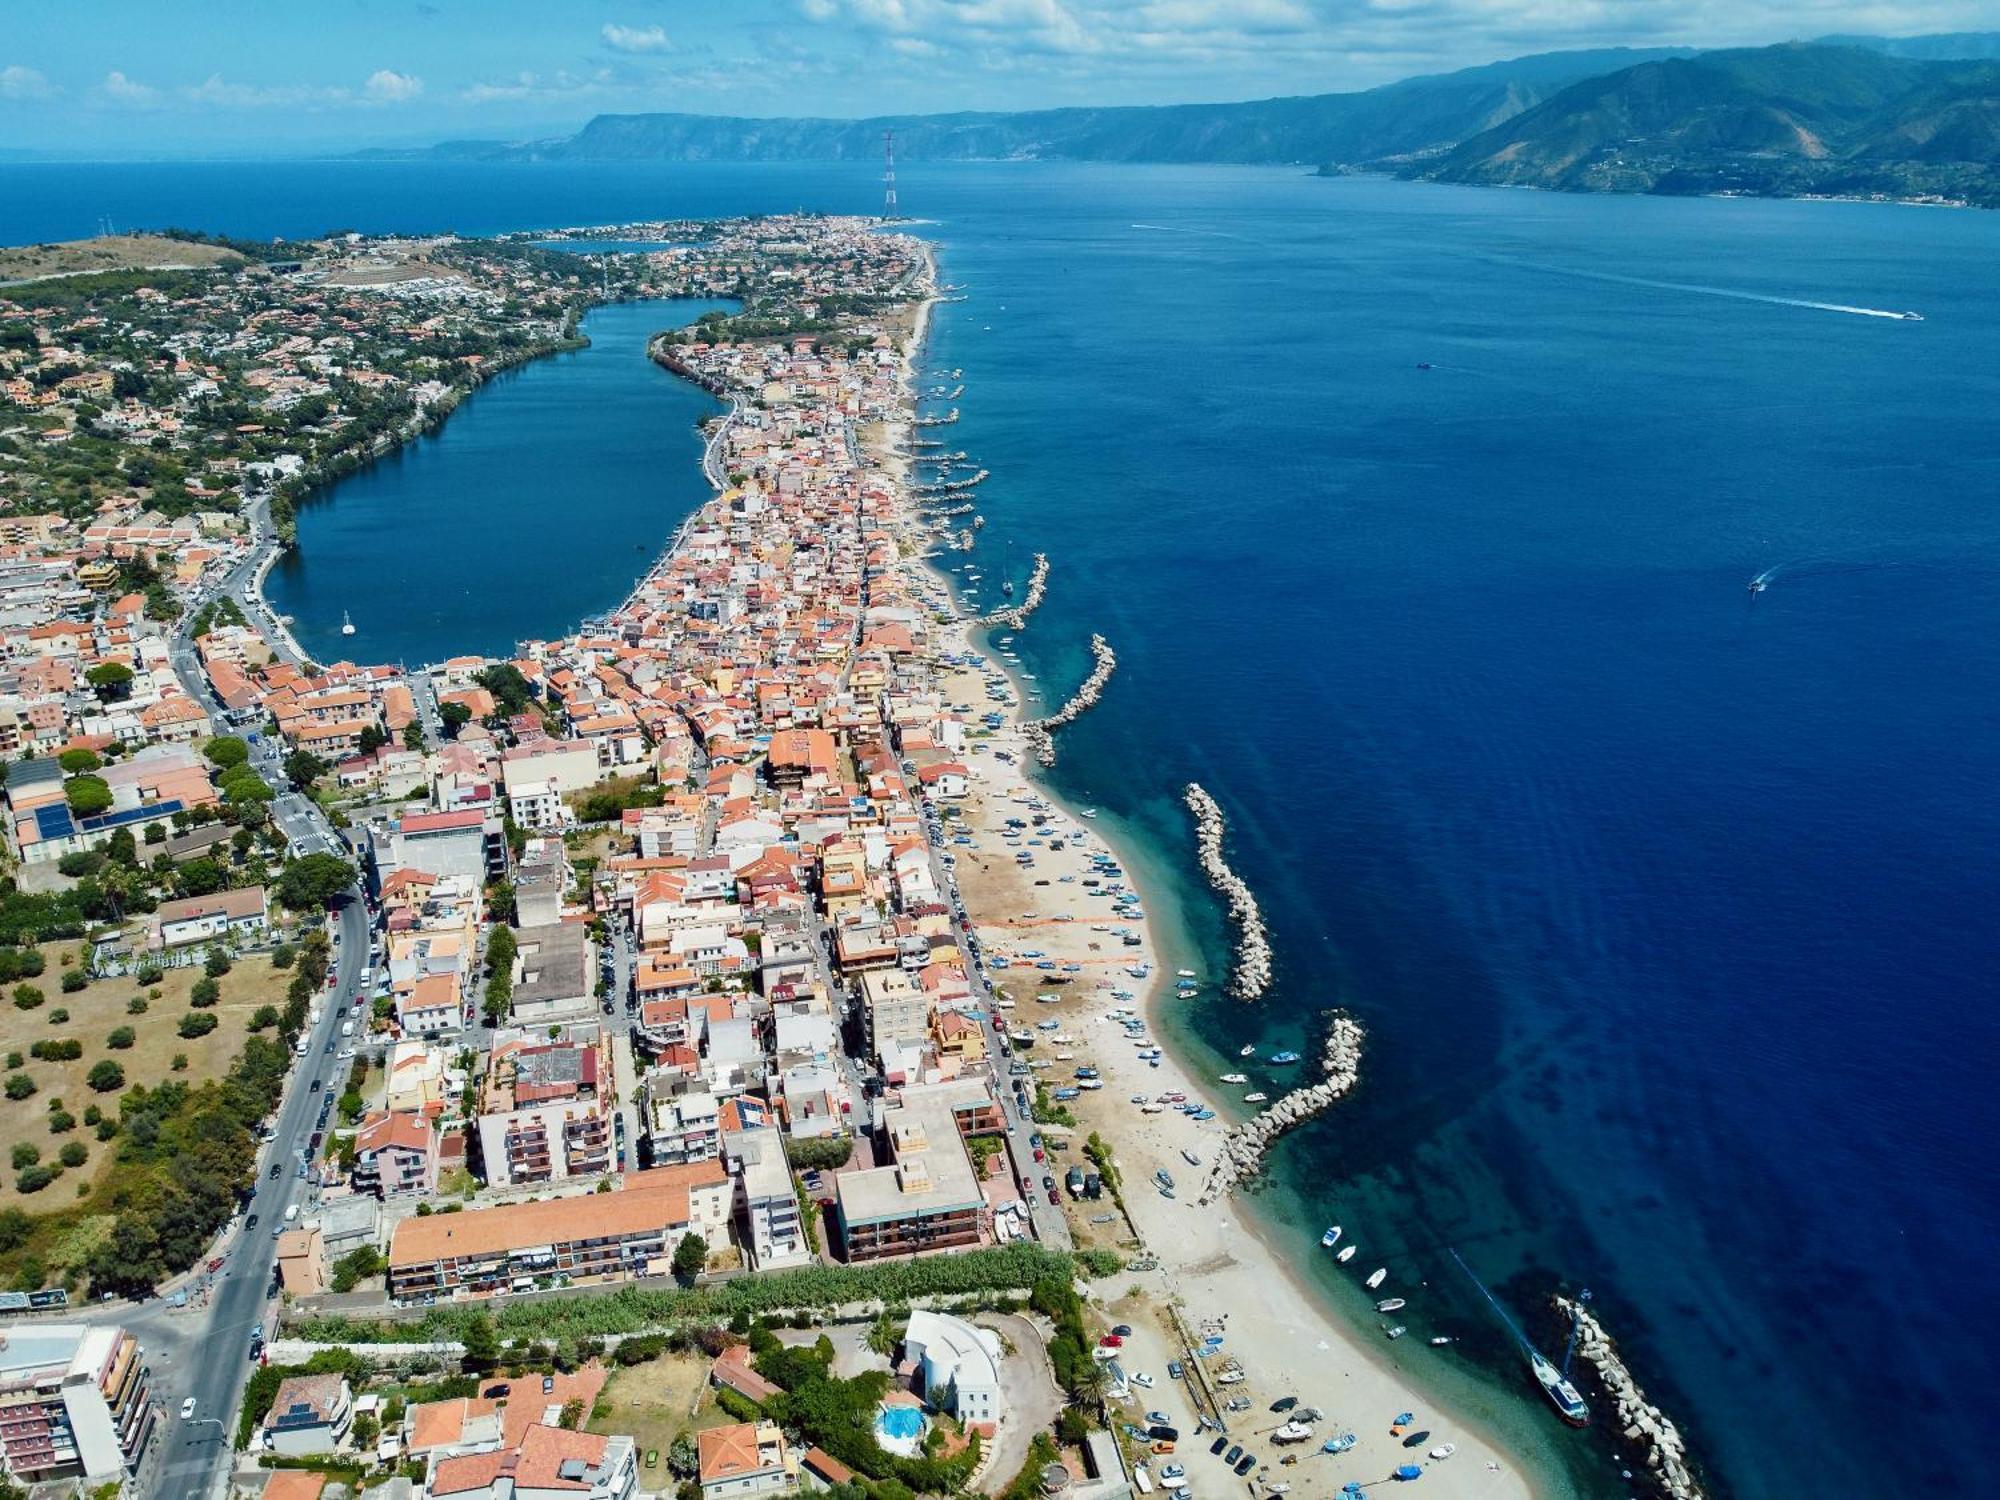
1215, 1263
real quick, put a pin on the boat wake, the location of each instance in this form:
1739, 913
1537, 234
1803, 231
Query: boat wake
1734, 293
1213, 234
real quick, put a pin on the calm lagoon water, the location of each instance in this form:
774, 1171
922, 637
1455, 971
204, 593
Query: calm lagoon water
1669, 908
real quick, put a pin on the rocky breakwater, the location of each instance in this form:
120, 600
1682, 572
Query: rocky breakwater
1640, 1421
1241, 1155
1040, 733
1038, 585
1253, 944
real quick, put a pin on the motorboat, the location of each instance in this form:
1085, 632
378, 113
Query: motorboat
1331, 1238
1346, 1255
1562, 1395
1235, 1077
1164, 1178
1376, 1277
1250, 1050
1339, 1444
1189, 1157
1397, 1332
1440, 1340
1256, 1098
1283, 1059
1443, 1451
1390, 1304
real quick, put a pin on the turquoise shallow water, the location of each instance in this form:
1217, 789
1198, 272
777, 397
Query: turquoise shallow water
1669, 909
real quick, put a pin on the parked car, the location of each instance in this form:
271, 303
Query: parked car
1175, 1370
187, 1408
1235, 1452
1159, 1418
1246, 1463
1218, 1445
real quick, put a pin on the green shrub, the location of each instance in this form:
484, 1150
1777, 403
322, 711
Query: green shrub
195, 1024
74, 1154
106, 1077
36, 1178
26, 1154
19, 1086
205, 994
121, 1039
74, 980
27, 997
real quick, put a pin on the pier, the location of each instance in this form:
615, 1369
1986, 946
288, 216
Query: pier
944, 421
1038, 585
1039, 733
1640, 1421
1241, 1155
1253, 943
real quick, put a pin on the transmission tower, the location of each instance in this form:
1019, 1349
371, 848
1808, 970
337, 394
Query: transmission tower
889, 174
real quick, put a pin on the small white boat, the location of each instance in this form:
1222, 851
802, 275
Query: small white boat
1391, 1304
346, 623
1331, 1238
1249, 1051
1346, 1255
1184, 974
1376, 1277
1280, 1488
1443, 1451
1235, 1077
1440, 1341
1257, 1098
1397, 1332
1189, 1157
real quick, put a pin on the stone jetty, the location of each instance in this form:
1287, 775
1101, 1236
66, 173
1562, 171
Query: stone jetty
1639, 1420
1039, 733
1241, 1155
1253, 943
1038, 585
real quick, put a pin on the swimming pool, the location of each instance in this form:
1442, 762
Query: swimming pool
900, 1428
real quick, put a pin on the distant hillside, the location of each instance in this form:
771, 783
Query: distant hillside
1396, 120
120, 252
1799, 118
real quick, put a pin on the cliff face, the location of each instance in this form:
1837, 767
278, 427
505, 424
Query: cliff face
1775, 119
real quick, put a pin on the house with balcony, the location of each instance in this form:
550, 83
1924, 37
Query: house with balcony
395, 1153
745, 1461
545, 1111
310, 1414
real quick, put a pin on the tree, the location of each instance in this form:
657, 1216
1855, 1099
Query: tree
76, 762
372, 738
73, 1154
111, 679
455, 716
311, 883
413, 736
75, 980
226, 750
482, 1344
196, 1023
121, 1039
683, 1458
205, 994
509, 688
500, 905
216, 964
303, 768
106, 1077
87, 795
690, 1258
201, 877
264, 1018
500, 951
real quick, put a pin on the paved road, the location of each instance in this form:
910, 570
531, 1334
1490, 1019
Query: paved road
202, 1349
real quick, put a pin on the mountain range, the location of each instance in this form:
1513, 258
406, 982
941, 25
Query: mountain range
1906, 117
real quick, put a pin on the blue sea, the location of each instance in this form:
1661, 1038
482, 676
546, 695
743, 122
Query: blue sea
1422, 520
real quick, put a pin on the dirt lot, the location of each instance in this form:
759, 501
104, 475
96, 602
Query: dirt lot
116, 252
651, 1402
93, 1014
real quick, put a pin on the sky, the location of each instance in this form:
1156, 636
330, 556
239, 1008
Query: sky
265, 77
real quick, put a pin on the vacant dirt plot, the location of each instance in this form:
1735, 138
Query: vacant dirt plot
93, 1014
651, 1402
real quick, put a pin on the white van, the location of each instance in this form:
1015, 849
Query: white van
302, 1046
346, 1028
291, 1213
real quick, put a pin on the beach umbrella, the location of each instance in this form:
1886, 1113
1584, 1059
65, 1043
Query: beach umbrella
1407, 1472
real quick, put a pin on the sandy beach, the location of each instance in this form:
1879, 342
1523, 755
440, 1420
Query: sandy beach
1212, 1269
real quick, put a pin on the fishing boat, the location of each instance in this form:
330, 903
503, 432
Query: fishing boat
1440, 1340
1443, 1451
1408, 1472
1185, 974
1164, 1178
1293, 1431
1281, 1059
1346, 1255
1331, 1238
1376, 1277
1235, 1077
1256, 1098
1555, 1385
1339, 1444
1248, 1051
1397, 1332
1189, 1157
1390, 1304
346, 623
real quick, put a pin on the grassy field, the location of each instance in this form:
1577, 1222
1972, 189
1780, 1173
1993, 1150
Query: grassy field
116, 252
92, 1015
651, 1401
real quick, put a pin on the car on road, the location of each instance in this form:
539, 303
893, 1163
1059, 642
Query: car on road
250, 1223
1123, 1330
316, 1086
1048, 1183
1142, 1379
1175, 1370
1111, 1341
187, 1408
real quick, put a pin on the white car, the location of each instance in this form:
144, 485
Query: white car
1143, 1381
187, 1408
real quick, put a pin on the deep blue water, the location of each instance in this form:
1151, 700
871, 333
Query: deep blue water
1670, 911
537, 503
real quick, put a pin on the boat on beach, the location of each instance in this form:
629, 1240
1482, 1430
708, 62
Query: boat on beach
1189, 1157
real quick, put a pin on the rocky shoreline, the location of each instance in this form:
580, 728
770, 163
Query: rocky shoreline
1241, 1155
1253, 943
1640, 1421
1037, 732
1017, 615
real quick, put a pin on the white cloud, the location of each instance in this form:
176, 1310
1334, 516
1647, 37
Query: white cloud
123, 90
385, 86
635, 38
561, 84
17, 82
819, 10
